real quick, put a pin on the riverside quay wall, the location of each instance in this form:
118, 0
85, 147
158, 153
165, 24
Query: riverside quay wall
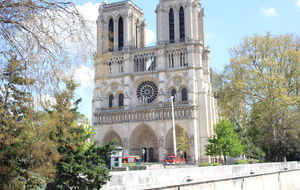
268, 176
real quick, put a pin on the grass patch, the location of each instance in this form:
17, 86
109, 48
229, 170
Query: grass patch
242, 162
209, 164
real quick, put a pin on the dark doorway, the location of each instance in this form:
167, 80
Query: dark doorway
151, 155
144, 155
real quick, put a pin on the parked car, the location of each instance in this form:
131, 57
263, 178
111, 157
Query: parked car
172, 159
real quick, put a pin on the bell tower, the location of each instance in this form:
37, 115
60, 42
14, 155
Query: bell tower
133, 84
179, 21
120, 26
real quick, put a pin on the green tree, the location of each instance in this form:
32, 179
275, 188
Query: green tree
26, 154
39, 148
182, 141
260, 90
225, 142
82, 165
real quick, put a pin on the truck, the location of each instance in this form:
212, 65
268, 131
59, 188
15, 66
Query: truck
172, 159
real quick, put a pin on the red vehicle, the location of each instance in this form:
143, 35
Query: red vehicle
172, 159
129, 159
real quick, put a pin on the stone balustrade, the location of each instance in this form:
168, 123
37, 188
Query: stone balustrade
142, 60
150, 114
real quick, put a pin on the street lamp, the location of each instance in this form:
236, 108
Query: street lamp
174, 130
187, 179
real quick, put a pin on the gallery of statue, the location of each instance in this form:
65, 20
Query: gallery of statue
134, 83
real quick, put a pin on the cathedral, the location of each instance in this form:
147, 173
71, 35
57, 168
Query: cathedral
134, 83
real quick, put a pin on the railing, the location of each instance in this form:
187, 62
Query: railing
163, 113
143, 60
110, 109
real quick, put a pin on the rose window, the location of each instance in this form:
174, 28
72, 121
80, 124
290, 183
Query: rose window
147, 92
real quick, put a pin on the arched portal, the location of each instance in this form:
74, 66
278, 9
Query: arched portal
143, 142
113, 136
181, 141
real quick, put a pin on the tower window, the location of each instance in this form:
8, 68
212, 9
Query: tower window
111, 100
171, 26
110, 68
171, 60
121, 100
121, 33
137, 34
184, 95
181, 25
121, 67
182, 59
111, 35
173, 93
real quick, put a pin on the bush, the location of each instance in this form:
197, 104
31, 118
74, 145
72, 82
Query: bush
242, 162
209, 164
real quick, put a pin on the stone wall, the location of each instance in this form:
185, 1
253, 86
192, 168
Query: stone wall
270, 176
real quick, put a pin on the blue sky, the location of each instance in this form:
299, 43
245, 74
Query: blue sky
226, 24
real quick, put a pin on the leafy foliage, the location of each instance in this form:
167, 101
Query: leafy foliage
182, 140
51, 147
26, 152
39, 39
242, 162
225, 142
209, 164
83, 164
260, 91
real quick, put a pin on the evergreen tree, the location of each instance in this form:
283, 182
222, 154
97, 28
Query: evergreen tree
83, 164
25, 153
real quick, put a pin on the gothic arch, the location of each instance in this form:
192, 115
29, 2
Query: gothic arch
144, 137
113, 136
171, 25
181, 24
169, 138
107, 18
108, 93
171, 91
120, 33
142, 79
121, 99
112, 88
111, 100
183, 93
111, 31
180, 4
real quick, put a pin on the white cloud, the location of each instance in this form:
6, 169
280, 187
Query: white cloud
84, 75
270, 12
150, 37
89, 11
298, 3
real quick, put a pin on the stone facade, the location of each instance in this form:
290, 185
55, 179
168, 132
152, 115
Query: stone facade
134, 83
